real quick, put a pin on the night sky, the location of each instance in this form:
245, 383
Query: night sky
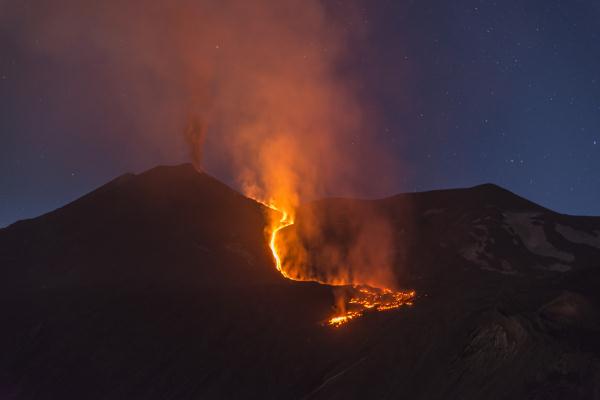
466, 92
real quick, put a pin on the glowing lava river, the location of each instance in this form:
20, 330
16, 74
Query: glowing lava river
358, 299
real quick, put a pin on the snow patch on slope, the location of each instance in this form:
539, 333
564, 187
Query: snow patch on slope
580, 237
477, 254
524, 230
529, 228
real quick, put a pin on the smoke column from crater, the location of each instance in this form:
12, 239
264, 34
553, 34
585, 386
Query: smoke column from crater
261, 91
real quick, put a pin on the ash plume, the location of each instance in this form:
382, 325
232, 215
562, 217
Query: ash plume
195, 136
351, 243
276, 109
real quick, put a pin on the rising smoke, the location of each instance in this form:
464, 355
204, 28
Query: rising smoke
267, 82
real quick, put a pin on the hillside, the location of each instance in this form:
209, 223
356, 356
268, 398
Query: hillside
161, 286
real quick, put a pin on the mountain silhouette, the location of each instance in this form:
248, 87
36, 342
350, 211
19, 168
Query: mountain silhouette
162, 286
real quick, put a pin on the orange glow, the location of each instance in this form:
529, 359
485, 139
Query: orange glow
362, 299
366, 298
342, 319
262, 88
285, 221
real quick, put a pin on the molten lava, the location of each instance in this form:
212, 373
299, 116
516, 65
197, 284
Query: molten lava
362, 299
365, 298
285, 221
277, 225
342, 319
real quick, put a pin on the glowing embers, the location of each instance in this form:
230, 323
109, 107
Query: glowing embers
361, 299
342, 319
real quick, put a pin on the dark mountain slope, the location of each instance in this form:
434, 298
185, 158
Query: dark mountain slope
167, 225
146, 286
440, 234
160, 286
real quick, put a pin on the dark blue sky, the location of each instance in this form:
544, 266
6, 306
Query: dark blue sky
467, 92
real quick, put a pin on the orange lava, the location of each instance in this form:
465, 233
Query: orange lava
342, 319
363, 298
272, 231
285, 221
366, 298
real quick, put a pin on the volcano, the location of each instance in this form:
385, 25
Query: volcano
162, 286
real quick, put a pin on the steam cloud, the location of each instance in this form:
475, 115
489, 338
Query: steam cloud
344, 242
264, 81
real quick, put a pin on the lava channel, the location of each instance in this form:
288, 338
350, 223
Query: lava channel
361, 299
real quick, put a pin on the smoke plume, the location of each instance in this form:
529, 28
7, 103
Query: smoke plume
267, 81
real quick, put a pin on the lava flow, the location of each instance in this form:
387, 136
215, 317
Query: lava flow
365, 298
361, 298
285, 221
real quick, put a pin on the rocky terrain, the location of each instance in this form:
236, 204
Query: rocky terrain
161, 286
